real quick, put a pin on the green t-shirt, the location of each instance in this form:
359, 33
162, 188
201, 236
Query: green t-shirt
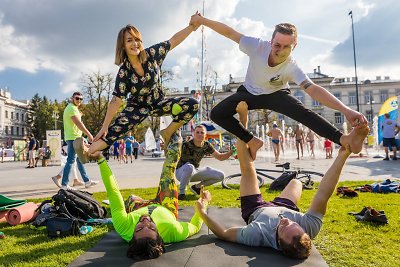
71, 131
168, 227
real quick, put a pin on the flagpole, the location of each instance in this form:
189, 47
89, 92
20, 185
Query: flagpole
355, 61
201, 71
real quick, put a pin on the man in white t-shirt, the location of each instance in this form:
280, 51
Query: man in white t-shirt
279, 223
389, 131
266, 86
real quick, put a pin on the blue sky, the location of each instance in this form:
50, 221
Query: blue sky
46, 46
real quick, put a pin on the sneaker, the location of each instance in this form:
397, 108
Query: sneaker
91, 183
68, 188
56, 180
78, 183
386, 158
195, 190
182, 197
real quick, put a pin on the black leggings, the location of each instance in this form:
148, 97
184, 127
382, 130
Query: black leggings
280, 101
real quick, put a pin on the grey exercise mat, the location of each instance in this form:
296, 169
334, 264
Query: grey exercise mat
203, 249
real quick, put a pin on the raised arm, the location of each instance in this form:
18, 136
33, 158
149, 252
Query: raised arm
218, 27
180, 36
327, 99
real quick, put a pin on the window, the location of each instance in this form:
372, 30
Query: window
300, 96
352, 98
12, 130
370, 116
384, 95
6, 129
397, 91
17, 116
338, 96
315, 103
18, 131
23, 131
6, 114
367, 97
338, 118
22, 117
12, 115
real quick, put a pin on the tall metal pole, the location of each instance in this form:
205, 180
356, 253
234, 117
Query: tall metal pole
355, 61
201, 71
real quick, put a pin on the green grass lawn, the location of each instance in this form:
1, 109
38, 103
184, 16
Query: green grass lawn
342, 242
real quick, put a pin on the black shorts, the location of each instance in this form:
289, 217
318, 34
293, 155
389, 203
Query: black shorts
389, 142
251, 203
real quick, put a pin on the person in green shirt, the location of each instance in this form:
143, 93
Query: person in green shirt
148, 224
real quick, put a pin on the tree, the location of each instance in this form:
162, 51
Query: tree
97, 89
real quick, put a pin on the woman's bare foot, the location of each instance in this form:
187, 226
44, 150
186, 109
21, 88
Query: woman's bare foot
355, 138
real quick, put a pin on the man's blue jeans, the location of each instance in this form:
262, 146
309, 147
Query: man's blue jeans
71, 157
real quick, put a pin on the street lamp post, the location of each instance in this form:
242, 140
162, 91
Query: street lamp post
355, 61
371, 101
55, 117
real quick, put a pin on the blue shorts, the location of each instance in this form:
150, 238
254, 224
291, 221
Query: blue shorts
251, 203
389, 142
128, 151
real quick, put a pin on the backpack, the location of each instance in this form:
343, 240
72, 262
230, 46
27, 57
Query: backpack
79, 204
282, 181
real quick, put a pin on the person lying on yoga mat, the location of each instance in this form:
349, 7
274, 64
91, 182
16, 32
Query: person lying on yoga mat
279, 223
147, 224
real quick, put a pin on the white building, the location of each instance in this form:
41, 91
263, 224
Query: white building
13, 119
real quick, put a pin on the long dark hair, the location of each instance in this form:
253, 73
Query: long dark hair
146, 248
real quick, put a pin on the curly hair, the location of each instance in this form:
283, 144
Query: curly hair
145, 248
298, 248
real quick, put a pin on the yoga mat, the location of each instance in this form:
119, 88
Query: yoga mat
3, 215
8, 203
22, 214
203, 249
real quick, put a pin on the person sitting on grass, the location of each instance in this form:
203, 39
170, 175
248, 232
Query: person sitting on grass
148, 224
278, 224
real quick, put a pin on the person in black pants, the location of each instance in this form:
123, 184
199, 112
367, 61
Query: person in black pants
270, 70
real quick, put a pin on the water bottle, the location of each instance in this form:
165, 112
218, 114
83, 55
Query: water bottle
100, 221
86, 229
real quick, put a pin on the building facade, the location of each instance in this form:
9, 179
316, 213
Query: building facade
13, 119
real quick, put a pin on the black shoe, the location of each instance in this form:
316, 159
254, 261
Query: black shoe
182, 197
394, 158
195, 190
386, 158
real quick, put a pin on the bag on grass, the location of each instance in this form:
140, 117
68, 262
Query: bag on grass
282, 181
79, 204
62, 225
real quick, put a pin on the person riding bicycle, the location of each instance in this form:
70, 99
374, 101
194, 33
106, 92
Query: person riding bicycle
279, 223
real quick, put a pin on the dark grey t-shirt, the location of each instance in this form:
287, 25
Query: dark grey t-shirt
261, 230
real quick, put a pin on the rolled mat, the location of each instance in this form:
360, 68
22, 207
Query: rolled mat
3, 215
22, 214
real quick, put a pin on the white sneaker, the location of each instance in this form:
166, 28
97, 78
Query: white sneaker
91, 183
56, 181
67, 187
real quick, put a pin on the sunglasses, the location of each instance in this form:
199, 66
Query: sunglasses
79, 98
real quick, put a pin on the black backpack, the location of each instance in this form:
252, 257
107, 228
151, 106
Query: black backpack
282, 181
79, 204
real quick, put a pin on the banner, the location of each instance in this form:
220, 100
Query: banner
19, 150
54, 142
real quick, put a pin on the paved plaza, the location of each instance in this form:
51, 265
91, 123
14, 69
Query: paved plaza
19, 182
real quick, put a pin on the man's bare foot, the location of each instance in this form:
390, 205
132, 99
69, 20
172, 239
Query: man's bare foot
254, 145
355, 138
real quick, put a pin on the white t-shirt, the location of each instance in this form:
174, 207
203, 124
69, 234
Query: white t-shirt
261, 230
260, 77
